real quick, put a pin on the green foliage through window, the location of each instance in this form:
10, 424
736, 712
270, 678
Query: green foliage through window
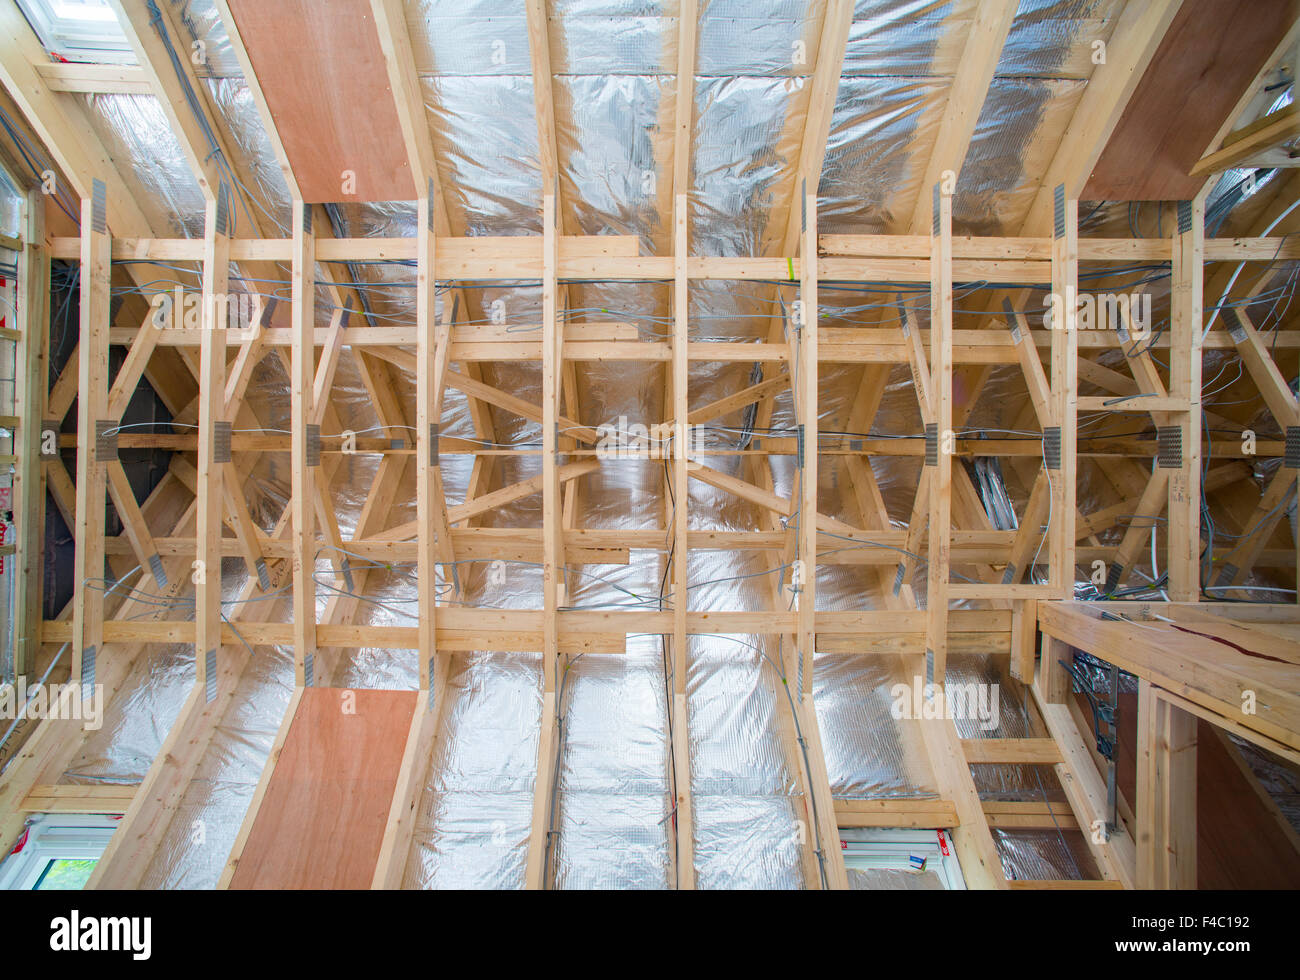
65, 874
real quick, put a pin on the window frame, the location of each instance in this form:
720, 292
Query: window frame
887, 848
54, 837
93, 40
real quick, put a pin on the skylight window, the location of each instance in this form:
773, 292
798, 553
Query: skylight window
79, 30
58, 852
898, 859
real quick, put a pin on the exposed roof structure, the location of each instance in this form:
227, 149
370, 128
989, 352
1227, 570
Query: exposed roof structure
665, 444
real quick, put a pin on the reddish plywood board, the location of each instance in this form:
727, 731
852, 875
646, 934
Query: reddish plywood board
323, 75
1210, 55
321, 822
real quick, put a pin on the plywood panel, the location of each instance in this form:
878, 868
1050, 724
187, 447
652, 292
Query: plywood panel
322, 72
321, 822
1211, 53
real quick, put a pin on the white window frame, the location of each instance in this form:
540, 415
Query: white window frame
79, 31
55, 837
891, 849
